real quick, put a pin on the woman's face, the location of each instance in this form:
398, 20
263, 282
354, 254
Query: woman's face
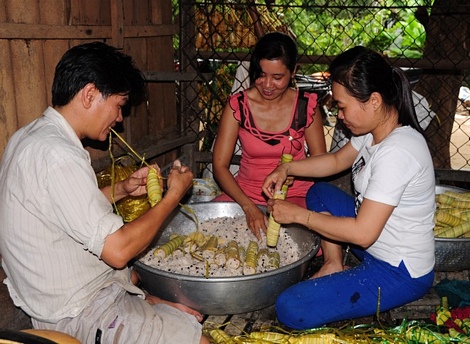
357, 117
274, 80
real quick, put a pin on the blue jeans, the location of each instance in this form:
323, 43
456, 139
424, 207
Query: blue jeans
357, 292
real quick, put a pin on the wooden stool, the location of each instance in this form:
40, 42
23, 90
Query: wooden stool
55, 336
34, 336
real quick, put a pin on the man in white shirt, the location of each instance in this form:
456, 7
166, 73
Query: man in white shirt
65, 252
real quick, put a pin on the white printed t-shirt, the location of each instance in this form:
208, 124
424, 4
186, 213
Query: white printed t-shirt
399, 171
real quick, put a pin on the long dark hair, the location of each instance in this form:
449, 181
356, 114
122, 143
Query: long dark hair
273, 46
363, 71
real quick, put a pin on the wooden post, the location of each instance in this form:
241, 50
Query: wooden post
441, 88
117, 24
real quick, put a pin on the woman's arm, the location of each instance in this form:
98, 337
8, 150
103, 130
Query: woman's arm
223, 151
362, 230
323, 165
315, 136
224, 147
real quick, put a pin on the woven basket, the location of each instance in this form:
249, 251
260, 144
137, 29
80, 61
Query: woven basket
452, 254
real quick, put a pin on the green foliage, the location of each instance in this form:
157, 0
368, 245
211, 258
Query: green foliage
330, 27
408, 38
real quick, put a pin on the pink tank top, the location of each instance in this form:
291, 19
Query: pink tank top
261, 151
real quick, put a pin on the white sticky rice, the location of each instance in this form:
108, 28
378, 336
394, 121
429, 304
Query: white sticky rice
225, 229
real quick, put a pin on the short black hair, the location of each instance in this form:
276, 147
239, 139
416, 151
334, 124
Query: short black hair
111, 71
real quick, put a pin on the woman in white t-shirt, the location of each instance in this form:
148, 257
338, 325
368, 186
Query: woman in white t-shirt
388, 223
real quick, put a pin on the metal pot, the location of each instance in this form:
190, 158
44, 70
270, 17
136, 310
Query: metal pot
224, 295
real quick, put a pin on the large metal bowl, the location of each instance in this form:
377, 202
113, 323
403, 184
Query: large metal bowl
452, 254
224, 295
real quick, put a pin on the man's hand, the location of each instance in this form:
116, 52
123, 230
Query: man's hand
180, 180
135, 184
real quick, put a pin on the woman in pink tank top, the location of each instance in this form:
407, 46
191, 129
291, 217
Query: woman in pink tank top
269, 118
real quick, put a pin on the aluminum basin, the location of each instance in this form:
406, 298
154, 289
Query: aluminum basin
224, 295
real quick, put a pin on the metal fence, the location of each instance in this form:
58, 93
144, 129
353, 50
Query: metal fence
427, 38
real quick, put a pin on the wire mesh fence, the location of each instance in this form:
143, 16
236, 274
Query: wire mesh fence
427, 38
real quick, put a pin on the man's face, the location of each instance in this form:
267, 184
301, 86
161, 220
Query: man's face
106, 112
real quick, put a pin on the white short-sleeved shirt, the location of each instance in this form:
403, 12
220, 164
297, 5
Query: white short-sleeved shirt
53, 222
399, 171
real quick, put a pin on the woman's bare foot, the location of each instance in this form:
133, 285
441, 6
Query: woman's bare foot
328, 268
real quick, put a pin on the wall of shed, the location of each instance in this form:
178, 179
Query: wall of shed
34, 35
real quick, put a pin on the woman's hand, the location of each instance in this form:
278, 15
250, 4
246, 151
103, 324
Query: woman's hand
289, 181
153, 300
283, 212
256, 220
275, 180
